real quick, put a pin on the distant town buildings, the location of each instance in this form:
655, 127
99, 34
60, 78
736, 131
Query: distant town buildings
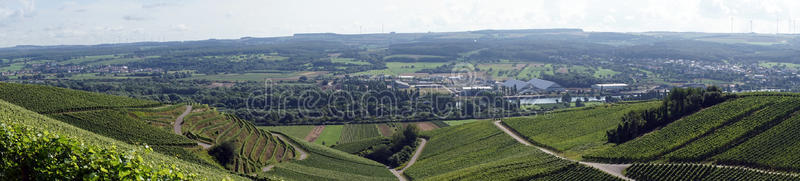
532, 86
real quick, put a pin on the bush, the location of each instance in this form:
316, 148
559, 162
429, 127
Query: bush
224, 153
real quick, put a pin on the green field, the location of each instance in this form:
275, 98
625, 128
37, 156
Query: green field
535, 71
330, 135
299, 132
575, 130
242, 76
355, 132
602, 73
779, 64
460, 122
349, 61
397, 68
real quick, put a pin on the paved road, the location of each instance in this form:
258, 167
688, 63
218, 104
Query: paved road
612, 169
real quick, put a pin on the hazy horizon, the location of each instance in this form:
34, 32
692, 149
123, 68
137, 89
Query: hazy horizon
89, 22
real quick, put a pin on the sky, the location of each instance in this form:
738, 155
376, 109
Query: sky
60, 22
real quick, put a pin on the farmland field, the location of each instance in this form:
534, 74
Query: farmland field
355, 132
293, 131
45, 99
330, 135
397, 68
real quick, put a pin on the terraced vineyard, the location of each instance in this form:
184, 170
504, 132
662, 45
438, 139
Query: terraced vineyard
355, 132
45, 99
324, 163
658, 172
574, 128
255, 148
480, 151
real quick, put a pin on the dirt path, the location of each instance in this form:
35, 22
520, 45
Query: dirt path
314, 134
611, 169
399, 173
179, 123
418, 152
400, 176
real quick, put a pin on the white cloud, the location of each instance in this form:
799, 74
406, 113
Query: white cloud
180, 27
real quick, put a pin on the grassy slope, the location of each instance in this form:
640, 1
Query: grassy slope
330, 135
293, 131
326, 163
480, 151
46, 99
18, 114
355, 132
576, 129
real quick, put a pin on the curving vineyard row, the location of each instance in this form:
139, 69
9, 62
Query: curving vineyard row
724, 138
775, 148
45, 99
682, 131
118, 125
656, 172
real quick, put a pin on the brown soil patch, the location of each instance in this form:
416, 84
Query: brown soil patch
385, 130
314, 134
426, 126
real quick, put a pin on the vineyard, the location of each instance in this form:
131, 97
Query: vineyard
682, 131
292, 131
325, 163
723, 138
17, 115
357, 146
565, 130
776, 148
355, 132
118, 125
45, 99
480, 151
255, 148
658, 172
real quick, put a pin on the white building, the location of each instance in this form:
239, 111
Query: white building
609, 87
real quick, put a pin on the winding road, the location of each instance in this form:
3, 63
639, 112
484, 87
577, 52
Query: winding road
179, 123
612, 169
399, 173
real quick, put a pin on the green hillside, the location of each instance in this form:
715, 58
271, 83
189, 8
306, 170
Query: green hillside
576, 129
755, 130
657, 172
481, 151
12, 114
45, 99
